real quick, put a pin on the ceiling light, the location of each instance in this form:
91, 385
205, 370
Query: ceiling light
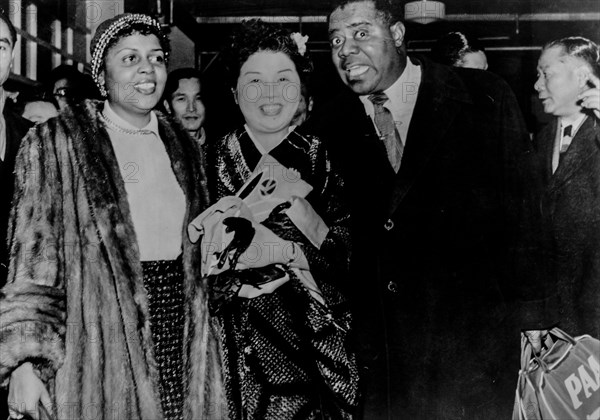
424, 11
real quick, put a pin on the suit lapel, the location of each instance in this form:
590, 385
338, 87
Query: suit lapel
545, 144
16, 128
583, 147
440, 95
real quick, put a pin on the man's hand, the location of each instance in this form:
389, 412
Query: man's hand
536, 338
26, 391
590, 98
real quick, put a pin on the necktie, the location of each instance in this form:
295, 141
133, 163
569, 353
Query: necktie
566, 139
387, 130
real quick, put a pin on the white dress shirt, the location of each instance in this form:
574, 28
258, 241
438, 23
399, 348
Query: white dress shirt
2, 125
562, 142
402, 97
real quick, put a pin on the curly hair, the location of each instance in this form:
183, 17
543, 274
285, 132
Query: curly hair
255, 35
580, 47
452, 48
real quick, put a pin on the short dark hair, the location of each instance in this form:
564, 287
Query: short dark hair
580, 47
255, 35
11, 28
451, 48
175, 76
389, 10
81, 87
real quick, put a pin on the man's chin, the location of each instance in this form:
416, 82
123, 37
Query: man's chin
360, 88
191, 127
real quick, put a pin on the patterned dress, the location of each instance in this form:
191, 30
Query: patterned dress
286, 354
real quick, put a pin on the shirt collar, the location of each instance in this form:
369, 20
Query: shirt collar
201, 136
402, 86
398, 91
2, 99
112, 115
564, 122
259, 146
575, 123
2, 125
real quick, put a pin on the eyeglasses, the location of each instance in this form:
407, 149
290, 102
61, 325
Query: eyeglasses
62, 92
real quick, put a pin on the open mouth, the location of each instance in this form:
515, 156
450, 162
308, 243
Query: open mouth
271, 110
146, 88
356, 70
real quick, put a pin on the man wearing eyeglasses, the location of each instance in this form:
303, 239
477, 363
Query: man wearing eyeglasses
67, 84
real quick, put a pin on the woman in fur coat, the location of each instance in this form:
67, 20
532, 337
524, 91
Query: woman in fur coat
103, 315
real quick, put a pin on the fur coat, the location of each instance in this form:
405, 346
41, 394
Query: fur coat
75, 303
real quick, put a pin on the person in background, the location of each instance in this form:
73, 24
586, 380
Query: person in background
68, 85
183, 99
103, 284
284, 321
568, 179
12, 129
432, 159
459, 50
36, 106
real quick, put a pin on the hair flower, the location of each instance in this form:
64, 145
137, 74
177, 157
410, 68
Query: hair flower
300, 42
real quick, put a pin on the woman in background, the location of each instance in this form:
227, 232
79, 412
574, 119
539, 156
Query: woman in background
102, 315
459, 50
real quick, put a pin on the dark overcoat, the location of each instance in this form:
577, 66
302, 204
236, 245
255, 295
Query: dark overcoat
430, 246
75, 303
16, 128
569, 202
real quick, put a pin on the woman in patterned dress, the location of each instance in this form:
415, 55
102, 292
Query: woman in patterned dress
285, 322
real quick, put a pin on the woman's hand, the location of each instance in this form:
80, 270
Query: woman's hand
26, 391
590, 98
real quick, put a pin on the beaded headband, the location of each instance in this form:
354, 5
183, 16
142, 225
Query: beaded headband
104, 36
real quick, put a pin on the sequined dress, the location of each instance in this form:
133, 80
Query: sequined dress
286, 355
